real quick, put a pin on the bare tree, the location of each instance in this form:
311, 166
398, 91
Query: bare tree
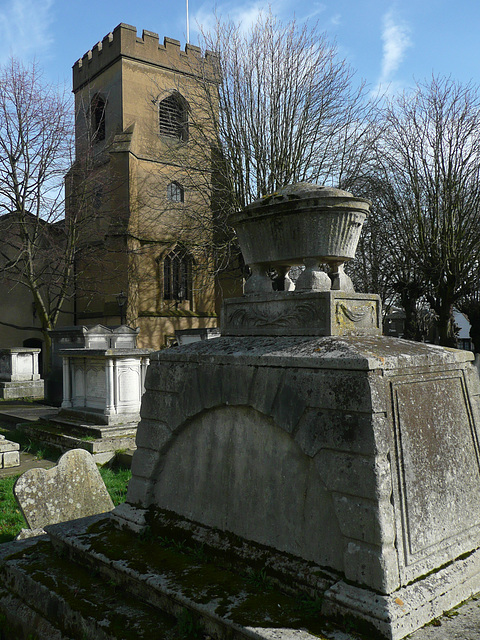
470, 306
38, 244
431, 157
382, 265
288, 110
281, 107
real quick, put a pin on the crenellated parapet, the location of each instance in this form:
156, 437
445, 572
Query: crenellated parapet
123, 42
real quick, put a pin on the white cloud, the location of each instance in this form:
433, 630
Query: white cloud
245, 14
336, 19
396, 40
316, 9
25, 28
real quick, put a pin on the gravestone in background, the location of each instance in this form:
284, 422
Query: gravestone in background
82, 337
102, 385
19, 375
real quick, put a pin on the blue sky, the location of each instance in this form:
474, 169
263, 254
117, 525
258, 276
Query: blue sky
388, 43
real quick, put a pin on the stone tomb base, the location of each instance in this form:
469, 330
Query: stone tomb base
358, 454
32, 389
19, 376
342, 469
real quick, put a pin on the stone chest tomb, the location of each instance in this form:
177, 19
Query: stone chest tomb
305, 430
19, 374
342, 463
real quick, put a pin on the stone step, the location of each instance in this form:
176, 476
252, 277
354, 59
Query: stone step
96, 417
181, 581
64, 601
102, 448
85, 429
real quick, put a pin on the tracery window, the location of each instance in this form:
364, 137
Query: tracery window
173, 117
97, 110
177, 274
175, 192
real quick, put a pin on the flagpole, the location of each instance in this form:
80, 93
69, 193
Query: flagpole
188, 27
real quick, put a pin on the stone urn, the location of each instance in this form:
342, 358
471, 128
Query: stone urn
302, 224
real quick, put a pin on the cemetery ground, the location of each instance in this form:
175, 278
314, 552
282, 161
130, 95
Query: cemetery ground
462, 623
37, 454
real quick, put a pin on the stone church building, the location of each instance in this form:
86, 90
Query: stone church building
141, 191
141, 185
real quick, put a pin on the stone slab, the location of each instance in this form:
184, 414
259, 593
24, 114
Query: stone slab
8, 445
30, 604
9, 453
10, 459
64, 601
216, 595
27, 389
73, 489
14, 412
347, 353
323, 313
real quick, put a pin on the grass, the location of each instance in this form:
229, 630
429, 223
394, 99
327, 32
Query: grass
11, 520
116, 481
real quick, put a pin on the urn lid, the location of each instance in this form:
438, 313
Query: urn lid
305, 190
301, 196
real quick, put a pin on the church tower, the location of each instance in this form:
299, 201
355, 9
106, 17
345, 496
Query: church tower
141, 185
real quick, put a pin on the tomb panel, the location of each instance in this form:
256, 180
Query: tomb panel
129, 387
438, 470
234, 469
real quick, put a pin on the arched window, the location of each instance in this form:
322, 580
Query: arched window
97, 110
175, 192
177, 274
173, 117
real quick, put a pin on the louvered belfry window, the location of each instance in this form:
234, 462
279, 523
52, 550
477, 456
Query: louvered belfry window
172, 117
98, 117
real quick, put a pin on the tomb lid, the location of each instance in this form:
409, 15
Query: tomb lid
367, 353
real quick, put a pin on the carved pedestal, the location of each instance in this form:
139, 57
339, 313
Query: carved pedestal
322, 313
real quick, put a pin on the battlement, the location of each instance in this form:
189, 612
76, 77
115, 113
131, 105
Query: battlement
123, 42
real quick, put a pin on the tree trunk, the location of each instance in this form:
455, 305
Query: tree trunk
446, 334
47, 360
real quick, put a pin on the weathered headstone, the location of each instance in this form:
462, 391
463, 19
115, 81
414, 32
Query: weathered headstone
73, 489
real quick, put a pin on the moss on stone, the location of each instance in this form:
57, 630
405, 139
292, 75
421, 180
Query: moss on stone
247, 598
